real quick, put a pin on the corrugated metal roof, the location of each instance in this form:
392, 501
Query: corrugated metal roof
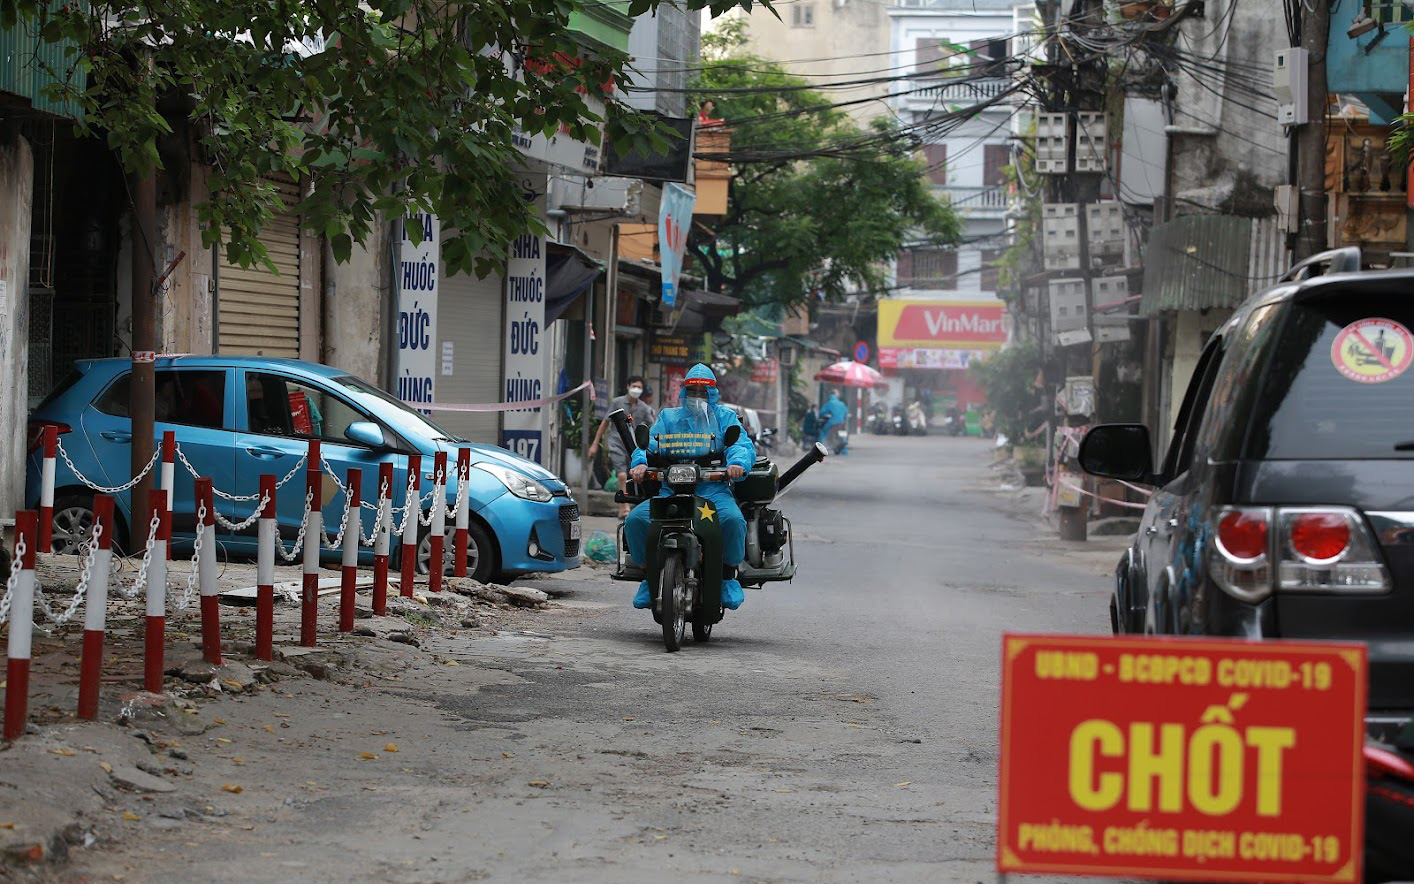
1196, 262
28, 64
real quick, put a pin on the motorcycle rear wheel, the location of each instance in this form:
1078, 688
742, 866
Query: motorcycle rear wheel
673, 602
701, 631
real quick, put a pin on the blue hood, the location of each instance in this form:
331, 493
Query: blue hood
700, 372
484, 453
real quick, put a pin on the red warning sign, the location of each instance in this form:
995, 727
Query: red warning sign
1373, 350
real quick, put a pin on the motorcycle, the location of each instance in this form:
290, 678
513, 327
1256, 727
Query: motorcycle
917, 419
684, 568
953, 425
878, 422
1389, 812
900, 423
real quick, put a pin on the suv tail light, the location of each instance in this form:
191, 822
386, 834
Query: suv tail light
36, 432
1329, 549
1315, 549
1238, 557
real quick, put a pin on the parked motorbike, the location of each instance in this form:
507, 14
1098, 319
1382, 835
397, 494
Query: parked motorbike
1389, 812
878, 422
899, 421
917, 419
954, 425
684, 568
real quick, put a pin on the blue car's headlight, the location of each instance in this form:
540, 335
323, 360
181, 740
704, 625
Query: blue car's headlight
521, 486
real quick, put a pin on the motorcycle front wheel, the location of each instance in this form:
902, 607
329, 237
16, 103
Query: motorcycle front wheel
673, 602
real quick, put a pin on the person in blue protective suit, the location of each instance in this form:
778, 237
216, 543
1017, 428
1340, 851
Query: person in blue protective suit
695, 429
832, 415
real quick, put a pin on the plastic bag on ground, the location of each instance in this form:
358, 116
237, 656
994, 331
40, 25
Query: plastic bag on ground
601, 547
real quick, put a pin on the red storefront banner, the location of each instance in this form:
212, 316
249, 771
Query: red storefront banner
945, 325
764, 371
1182, 759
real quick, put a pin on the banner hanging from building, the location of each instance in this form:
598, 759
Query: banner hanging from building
524, 346
417, 308
1187, 759
942, 325
674, 220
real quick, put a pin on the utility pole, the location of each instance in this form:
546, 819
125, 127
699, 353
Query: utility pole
142, 385
1310, 139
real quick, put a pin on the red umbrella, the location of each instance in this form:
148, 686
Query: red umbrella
852, 374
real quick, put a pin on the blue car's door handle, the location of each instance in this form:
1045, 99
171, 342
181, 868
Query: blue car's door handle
264, 453
116, 436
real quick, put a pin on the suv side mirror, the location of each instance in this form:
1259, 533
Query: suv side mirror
366, 433
1118, 451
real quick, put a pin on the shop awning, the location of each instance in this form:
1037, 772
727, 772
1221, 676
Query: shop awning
1196, 262
568, 274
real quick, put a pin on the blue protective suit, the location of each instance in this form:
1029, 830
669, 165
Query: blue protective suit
833, 413
694, 432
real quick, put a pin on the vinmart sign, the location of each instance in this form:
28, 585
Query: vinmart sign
1182, 760
954, 325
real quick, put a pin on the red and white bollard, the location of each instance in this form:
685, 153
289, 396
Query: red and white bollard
169, 474
383, 540
267, 535
353, 528
21, 625
95, 611
46, 487
155, 644
438, 530
463, 515
206, 574
410, 522
313, 531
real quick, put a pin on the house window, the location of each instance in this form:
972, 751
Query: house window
991, 273
988, 57
928, 268
995, 158
930, 55
802, 15
935, 159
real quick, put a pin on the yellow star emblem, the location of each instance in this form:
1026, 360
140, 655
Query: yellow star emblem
706, 511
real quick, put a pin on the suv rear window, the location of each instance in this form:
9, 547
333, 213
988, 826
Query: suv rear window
1339, 385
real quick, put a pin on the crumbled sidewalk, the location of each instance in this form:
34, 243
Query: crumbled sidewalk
70, 784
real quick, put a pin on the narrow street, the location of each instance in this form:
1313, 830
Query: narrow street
842, 728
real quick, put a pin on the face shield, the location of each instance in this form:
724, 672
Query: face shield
701, 421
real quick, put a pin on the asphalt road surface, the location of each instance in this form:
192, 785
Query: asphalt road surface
842, 728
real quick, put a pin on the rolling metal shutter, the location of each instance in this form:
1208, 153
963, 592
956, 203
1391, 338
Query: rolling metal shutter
259, 310
469, 316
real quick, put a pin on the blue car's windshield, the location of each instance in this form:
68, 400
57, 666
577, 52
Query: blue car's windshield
402, 418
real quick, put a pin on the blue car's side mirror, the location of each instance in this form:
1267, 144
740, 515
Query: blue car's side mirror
366, 433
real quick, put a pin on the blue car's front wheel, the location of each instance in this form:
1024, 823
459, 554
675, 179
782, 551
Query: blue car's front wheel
480, 553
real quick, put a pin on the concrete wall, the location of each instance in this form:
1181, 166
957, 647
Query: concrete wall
16, 196
357, 300
1227, 150
850, 38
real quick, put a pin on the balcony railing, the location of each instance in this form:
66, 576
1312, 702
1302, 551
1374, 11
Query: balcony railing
961, 92
993, 199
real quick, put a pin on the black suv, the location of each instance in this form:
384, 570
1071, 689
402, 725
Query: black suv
1284, 507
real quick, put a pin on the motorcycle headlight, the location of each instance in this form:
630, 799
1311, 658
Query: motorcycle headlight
682, 474
521, 486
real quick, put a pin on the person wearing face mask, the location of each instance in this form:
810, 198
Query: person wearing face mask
697, 427
639, 412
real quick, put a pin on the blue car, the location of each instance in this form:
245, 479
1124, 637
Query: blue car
238, 418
